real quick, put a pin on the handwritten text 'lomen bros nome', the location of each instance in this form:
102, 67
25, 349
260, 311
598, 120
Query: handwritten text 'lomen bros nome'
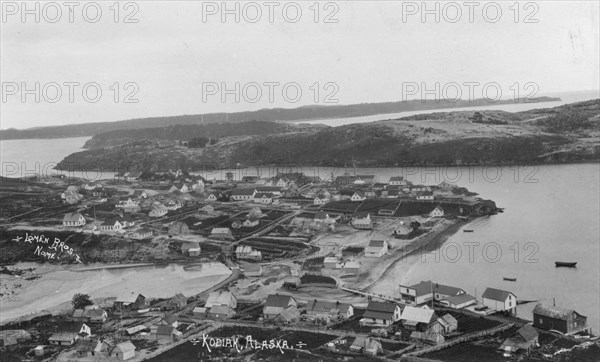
51, 250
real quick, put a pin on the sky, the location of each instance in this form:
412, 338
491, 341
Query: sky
100, 62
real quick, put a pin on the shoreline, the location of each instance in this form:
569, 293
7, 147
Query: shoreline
51, 293
401, 263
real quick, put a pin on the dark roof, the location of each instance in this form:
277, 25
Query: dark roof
276, 300
169, 318
380, 310
396, 178
425, 193
425, 287
554, 312
243, 192
164, 330
268, 188
381, 307
376, 243
528, 333
265, 194
496, 294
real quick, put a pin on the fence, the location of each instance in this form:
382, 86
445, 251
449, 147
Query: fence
465, 338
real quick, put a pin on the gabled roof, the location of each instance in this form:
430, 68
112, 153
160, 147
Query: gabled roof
128, 298
265, 194
554, 312
125, 347
459, 299
268, 189
221, 297
325, 306
220, 231
449, 319
380, 310
289, 314
425, 287
527, 333
279, 301
177, 298
164, 330
243, 192
425, 193
359, 193
396, 178
376, 244
72, 217
169, 318
220, 309
496, 294
420, 315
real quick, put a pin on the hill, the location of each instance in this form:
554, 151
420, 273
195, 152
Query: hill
274, 114
568, 133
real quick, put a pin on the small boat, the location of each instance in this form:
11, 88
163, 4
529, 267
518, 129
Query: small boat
510, 279
568, 264
468, 230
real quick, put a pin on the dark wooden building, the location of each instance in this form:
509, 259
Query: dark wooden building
559, 319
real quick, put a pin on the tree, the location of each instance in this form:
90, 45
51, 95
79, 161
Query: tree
229, 175
81, 301
415, 225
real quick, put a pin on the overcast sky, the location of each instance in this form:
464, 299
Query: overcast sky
176, 47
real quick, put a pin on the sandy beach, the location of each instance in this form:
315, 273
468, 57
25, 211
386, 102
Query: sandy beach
55, 287
385, 276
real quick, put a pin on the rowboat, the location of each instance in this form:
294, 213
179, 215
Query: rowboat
510, 279
568, 264
468, 231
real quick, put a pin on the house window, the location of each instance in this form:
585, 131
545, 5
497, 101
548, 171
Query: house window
540, 321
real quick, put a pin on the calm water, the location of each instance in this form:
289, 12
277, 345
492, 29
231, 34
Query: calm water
22, 158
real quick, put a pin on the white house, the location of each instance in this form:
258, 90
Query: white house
402, 229
243, 194
158, 211
424, 195
141, 234
129, 203
250, 223
363, 222
499, 300
212, 197
376, 249
221, 233
183, 188
381, 313
263, 198
281, 183
397, 181
358, 196
173, 204
73, 219
111, 225
425, 291
92, 186
437, 212
320, 200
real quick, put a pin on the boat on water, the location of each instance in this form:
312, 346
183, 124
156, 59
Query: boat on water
468, 230
510, 279
567, 264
